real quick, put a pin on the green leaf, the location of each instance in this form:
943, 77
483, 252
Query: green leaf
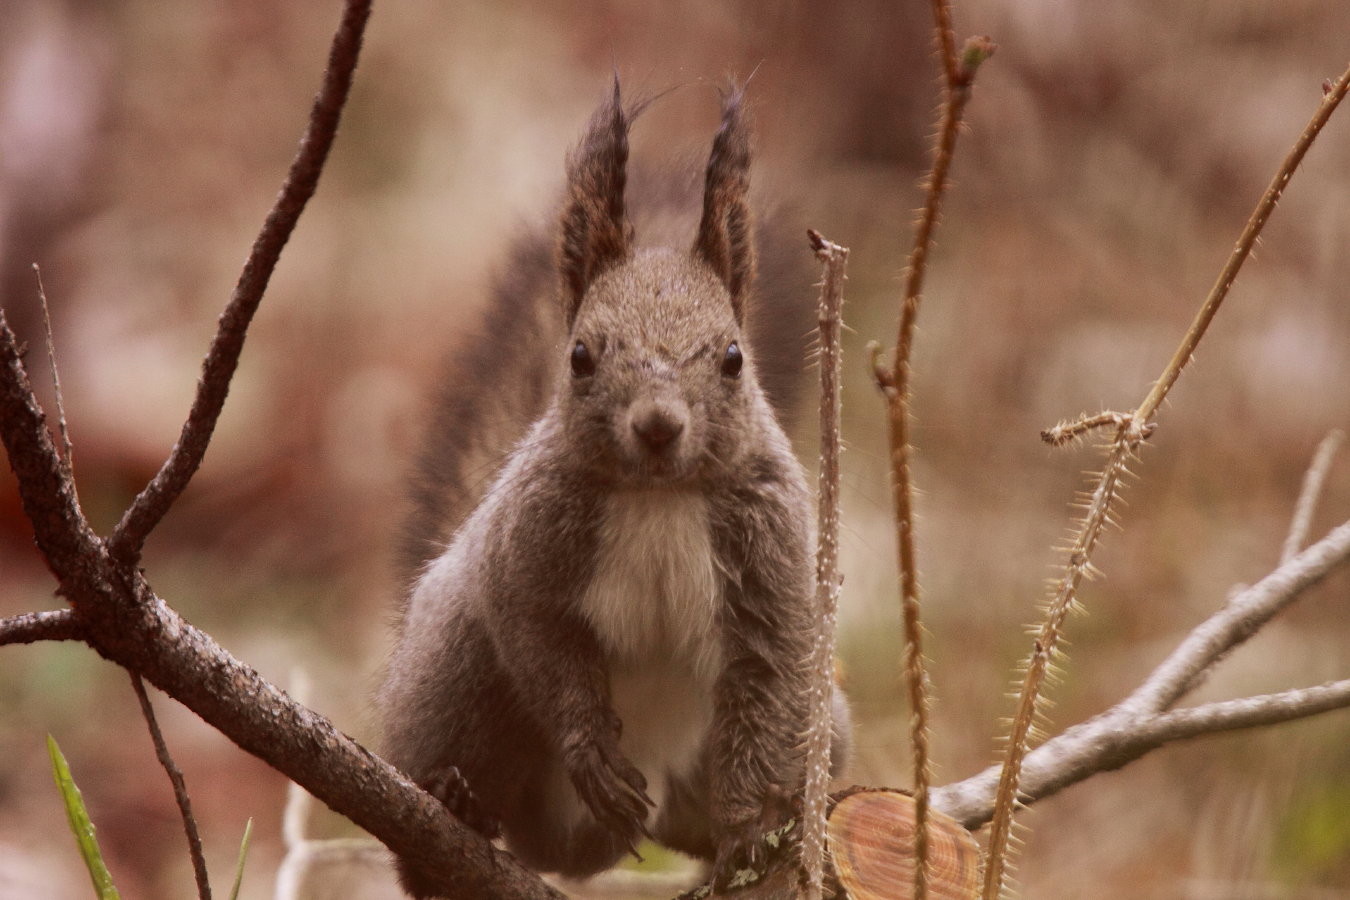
80, 824
239, 866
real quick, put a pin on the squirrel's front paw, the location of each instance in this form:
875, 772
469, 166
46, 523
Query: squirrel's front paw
613, 789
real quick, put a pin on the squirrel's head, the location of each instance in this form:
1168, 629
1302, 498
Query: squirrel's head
661, 387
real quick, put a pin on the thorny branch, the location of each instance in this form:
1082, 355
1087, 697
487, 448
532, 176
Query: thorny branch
1243, 249
958, 77
1131, 430
834, 260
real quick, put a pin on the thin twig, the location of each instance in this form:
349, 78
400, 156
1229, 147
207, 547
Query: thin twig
66, 453
1313, 481
180, 793
48, 625
834, 260
1330, 100
946, 37
957, 80
1070, 430
223, 357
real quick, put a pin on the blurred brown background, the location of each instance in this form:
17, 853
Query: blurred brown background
1112, 156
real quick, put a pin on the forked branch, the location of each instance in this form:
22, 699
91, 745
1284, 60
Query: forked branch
115, 611
1145, 721
1131, 429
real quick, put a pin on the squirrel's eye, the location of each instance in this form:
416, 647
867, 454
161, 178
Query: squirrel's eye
731, 363
582, 363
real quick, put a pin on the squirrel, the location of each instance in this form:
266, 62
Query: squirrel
612, 643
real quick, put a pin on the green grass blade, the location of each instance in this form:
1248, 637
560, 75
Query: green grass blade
239, 866
81, 825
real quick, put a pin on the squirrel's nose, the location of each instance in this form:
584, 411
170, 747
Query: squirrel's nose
657, 429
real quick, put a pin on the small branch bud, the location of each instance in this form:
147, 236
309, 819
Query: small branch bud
881, 374
976, 50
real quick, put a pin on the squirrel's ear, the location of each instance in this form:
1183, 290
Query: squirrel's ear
594, 226
724, 235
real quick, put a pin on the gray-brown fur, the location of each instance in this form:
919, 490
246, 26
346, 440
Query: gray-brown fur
634, 590
724, 241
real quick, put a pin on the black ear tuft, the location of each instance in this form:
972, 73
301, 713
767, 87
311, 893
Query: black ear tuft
724, 240
595, 232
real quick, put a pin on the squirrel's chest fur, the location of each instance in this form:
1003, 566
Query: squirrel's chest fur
654, 604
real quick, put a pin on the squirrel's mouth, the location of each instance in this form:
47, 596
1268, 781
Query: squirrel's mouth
661, 469
652, 469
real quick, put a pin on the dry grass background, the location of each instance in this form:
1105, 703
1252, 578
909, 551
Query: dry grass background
1114, 151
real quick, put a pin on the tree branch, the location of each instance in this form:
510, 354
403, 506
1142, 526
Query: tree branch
1140, 723
46, 491
1241, 617
958, 76
223, 358
49, 625
1313, 481
834, 260
180, 793
1131, 430
114, 610
1248, 712
1243, 248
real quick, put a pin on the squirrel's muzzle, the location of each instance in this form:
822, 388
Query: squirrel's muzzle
657, 427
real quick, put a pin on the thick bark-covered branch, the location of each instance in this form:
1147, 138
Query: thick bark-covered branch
114, 610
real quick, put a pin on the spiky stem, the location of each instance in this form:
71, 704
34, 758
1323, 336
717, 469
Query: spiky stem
1030, 698
834, 259
958, 76
1132, 429
1243, 248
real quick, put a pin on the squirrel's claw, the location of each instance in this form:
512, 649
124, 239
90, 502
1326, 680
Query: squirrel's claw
615, 792
451, 788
